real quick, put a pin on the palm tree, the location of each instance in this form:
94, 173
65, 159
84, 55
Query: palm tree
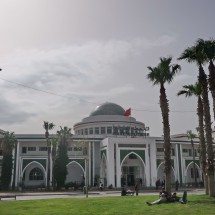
196, 54
7, 144
195, 90
48, 126
164, 73
54, 144
191, 136
209, 50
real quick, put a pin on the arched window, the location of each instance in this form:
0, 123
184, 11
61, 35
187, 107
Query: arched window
36, 174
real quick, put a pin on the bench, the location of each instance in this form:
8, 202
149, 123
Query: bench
127, 193
8, 197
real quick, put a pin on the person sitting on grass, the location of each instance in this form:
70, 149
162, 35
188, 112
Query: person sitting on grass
162, 199
173, 198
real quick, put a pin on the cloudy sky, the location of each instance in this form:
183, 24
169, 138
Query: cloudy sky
62, 58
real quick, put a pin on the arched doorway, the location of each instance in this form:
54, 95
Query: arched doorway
161, 174
190, 175
132, 168
76, 173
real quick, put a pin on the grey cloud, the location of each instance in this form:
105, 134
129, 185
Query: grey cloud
11, 114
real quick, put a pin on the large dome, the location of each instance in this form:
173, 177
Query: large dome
108, 109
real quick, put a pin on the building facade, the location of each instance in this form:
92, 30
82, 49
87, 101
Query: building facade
110, 147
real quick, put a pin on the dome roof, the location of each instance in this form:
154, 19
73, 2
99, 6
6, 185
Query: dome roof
108, 109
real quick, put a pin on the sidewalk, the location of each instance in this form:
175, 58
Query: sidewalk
96, 192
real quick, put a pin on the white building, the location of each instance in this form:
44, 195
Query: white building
109, 147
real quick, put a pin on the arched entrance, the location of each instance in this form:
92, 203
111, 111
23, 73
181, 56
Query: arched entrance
190, 175
161, 174
76, 173
132, 168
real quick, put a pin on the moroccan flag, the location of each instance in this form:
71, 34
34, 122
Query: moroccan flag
127, 112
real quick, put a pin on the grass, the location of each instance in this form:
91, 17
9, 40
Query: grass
126, 205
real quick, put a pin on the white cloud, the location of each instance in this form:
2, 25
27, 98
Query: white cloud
85, 73
84, 65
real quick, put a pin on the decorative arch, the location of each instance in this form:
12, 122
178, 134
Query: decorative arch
189, 175
132, 153
161, 175
76, 173
132, 169
25, 180
36, 163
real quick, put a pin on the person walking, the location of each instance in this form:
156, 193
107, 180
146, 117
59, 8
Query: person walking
137, 187
101, 186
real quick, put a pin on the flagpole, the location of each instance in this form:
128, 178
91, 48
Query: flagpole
130, 121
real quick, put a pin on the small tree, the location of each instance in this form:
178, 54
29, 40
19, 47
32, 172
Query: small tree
7, 145
60, 169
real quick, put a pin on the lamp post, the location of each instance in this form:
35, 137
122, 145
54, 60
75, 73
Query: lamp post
86, 159
190, 136
86, 177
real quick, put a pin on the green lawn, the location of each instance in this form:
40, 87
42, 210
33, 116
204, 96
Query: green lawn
197, 204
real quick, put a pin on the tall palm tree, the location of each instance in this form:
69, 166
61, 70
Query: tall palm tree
54, 144
7, 144
196, 54
195, 90
160, 75
191, 136
48, 126
209, 50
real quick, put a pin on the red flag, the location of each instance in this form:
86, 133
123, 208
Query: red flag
127, 112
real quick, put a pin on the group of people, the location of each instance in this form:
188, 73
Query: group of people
163, 197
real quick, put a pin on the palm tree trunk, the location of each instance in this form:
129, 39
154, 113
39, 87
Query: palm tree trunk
53, 165
206, 183
167, 146
202, 156
211, 81
208, 131
48, 164
194, 165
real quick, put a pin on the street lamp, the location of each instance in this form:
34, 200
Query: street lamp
190, 136
86, 177
86, 159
